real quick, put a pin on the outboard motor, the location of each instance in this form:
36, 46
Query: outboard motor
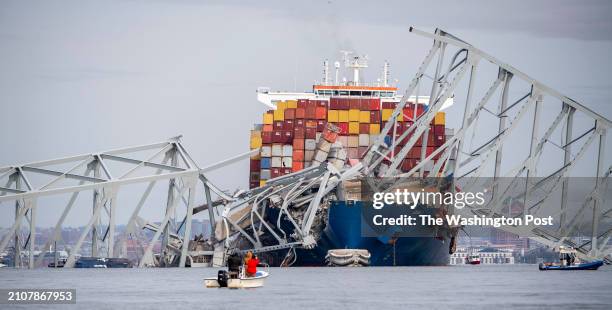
222, 277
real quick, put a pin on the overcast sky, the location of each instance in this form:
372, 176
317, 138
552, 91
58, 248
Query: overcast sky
85, 76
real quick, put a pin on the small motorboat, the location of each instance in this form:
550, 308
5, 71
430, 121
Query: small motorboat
222, 280
568, 261
583, 266
472, 259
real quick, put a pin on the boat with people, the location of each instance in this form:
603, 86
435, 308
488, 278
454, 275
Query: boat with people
240, 273
568, 261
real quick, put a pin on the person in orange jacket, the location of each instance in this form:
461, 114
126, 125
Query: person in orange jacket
252, 266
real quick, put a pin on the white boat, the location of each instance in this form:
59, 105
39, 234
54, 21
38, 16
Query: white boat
241, 282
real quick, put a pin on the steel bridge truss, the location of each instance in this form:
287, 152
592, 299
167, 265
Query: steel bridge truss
164, 161
454, 75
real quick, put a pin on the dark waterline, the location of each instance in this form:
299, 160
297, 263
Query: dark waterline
452, 287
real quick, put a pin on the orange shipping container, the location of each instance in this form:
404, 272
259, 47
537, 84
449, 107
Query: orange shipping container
298, 155
267, 128
297, 166
321, 113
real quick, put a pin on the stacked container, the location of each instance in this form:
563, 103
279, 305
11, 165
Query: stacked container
359, 122
297, 135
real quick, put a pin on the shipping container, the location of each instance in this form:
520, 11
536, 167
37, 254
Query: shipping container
364, 140
332, 116
353, 128
353, 115
364, 116
268, 118
343, 116
266, 151
364, 128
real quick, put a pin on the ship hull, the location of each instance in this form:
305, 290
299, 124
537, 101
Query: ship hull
343, 231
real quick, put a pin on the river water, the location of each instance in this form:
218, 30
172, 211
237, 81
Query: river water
451, 287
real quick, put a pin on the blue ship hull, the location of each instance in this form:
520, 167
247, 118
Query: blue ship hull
343, 231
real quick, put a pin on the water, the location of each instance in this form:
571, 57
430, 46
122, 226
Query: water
456, 287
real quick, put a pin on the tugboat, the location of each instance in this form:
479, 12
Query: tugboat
472, 259
567, 261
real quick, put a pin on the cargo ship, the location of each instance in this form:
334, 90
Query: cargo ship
289, 134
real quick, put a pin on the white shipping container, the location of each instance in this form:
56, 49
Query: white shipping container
277, 162
343, 140
308, 155
364, 139
353, 141
287, 162
373, 139
266, 151
320, 156
265, 174
310, 144
277, 150
324, 145
287, 150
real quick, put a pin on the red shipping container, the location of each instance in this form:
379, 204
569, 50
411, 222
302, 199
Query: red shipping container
334, 103
277, 137
311, 133
275, 172
420, 109
289, 113
311, 113
298, 143
302, 103
353, 152
299, 132
364, 128
430, 150
364, 104
330, 136
321, 113
343, 128
389, 105
354, 104
311, 104
255, 165
408, 114
266, 137
440, 140
286, 170
278, 125
339, 104
287, 136
311, 124
299, 123
439, 130
362, 151
300, 113
288, 124
297, 166
253, 185
268, 128
375, 117
374, 104
431, 141
321, 125
298, 155
319, 103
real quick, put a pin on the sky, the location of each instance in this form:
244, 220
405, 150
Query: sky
84, 76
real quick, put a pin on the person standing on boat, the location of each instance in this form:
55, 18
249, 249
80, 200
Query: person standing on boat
251, 264
233, 264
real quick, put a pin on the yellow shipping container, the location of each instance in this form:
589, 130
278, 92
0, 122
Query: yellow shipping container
281, 105
268, 118
291, 104
332, 116
353, 115
279, 115
354, 128
262, 183
343, 116
364, 116
374, 129
255, 139
386, 114
440, 118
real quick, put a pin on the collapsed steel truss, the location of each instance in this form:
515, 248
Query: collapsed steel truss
243, 214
